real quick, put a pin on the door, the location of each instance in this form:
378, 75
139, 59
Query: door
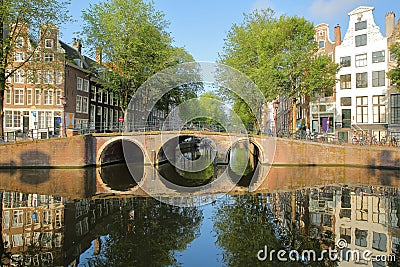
25, 124
346, 118
57, 125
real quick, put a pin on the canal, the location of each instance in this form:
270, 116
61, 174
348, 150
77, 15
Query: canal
297, 216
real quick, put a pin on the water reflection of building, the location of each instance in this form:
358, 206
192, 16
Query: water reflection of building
367, 217
32, 225
43, 230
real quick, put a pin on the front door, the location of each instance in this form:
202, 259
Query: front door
346, 118
25, 124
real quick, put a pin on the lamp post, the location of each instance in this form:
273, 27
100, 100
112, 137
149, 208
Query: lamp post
276, 106
64, 103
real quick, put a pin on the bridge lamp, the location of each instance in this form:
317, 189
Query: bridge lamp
276, 106
64, 103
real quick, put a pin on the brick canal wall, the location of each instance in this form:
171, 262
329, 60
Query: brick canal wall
81, 151
310, 153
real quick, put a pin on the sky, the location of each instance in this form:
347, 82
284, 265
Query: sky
200, 26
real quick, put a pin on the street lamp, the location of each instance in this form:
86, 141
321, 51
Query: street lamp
64, 103
276, 106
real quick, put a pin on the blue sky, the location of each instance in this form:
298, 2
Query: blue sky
201, 26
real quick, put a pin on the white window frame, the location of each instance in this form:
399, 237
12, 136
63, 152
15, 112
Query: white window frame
19, 76
48, 96
29, 96
19, 94
79, 83
79, 103
19, 56
38, 97
85, 105
48, 57
58, 97
85, 87
59, 77
48, 77
47, 42
361, 60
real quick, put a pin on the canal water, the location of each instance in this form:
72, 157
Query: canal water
297, 216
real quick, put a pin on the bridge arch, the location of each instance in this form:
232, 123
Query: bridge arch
115, 147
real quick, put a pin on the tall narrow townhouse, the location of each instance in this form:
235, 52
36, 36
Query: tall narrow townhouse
361, 94
322, 108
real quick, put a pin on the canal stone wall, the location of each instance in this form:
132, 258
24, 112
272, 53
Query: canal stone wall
86, 150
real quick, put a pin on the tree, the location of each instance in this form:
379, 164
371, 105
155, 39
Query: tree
19, 23
394, 74
279, 55
132, 37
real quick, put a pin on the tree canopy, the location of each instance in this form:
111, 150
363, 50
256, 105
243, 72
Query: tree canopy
133, 39
279, 55
394, 74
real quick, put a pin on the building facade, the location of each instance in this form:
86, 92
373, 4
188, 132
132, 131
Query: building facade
361, 92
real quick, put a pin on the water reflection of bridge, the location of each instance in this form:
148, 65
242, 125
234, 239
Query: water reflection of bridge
80, 183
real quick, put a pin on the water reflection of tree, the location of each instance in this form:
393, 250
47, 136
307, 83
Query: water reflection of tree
245, 226
150, 237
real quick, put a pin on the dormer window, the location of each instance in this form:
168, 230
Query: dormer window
361, 25
48, 43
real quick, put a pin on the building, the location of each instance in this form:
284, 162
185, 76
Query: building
57, 91
323, 108
361, 92
393, 36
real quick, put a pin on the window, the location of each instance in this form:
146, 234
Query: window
345, 61
378, 56
17, 220
46, 239
6, 224
395, 108
345, 101
18, 96
8, 118
17, 240
111, 99
345, 233
8, 96
105, 97
321, 44
379, 241
41, 119
28, 217
85, 105
58, 97
48, 97
58, 220
92, 113
361, 25
362, 109
59, 77
93, 93
19, 76
19, 42
38, 97
362, 80
19, 56
361, 237
17, 118
57, 240
48, 43
48, 77
79, 83
379, 108
30, 77
85, 85
48, 57
46, 217
345, 81
78, 103
361, 60
361, 40
29, 96
38, 78
378, 78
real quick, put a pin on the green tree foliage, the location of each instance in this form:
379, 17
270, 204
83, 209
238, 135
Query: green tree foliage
134, 42
20, 21
394, 74
151, 238
279, 55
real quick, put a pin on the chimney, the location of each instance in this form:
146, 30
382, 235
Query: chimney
337, 35
77, 44
99, 56
390, 20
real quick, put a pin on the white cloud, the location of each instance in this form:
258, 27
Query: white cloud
329, 9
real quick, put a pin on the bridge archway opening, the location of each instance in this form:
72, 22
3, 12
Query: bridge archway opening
119, 161
187, 161
243, 160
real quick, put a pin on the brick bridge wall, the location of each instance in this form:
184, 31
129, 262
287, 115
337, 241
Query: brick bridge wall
82, 151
